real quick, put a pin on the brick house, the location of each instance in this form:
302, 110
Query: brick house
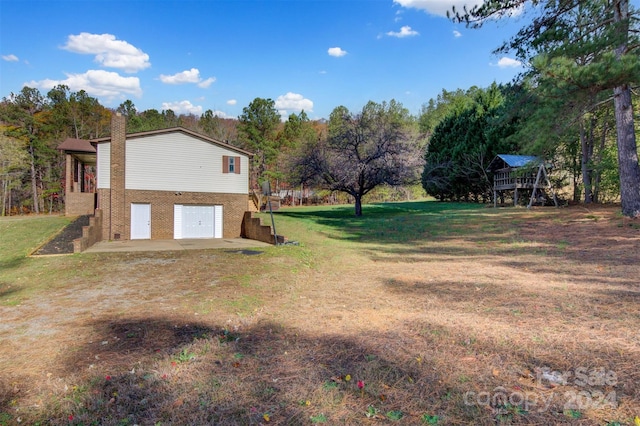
163, 184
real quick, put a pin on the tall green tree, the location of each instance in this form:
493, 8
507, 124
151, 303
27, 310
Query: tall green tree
457, 118
607, 35
258, 127
379, 145
127, 108
76, 115
152, 119
170, 118
445, 104
24, 114
14, 163
299, 134
464, 143
210, 124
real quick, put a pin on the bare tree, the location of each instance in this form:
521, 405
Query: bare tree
377, 146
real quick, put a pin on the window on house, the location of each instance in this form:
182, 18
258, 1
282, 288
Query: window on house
230, 164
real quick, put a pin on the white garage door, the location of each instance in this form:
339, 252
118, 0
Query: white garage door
197, 221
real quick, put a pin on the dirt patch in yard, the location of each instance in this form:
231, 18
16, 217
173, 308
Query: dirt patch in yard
435, 331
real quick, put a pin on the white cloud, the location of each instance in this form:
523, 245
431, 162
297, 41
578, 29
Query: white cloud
10, 58
457, 33
191, 76
206, 83
336, 51
505, 62
438, 7
293, 102
222, 114
182, 107
98, 83
405, 31
108, 51
232, 102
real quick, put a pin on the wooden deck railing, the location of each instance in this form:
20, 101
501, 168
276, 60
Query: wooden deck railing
509, 180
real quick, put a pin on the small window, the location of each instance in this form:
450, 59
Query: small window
230, 164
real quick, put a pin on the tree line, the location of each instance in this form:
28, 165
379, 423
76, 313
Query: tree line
573, 107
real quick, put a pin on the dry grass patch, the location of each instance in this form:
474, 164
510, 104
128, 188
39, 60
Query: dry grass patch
417, 313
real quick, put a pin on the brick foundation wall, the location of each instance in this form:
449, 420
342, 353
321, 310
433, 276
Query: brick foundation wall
162, 202
162, 206
79, 203
90, 234
104, 204
253, 229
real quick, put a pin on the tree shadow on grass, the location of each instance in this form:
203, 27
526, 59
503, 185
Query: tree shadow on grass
7, 289
155, 370
144, 371
14, 263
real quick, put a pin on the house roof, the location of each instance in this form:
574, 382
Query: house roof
182, 130
82, 150
502, 161
76, 145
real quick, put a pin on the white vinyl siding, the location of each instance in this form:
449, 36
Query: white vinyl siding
180, 162
103, 175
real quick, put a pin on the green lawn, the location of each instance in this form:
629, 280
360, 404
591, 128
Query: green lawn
19, 237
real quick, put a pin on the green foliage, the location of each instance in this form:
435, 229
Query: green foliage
318, 418
328, 385
14, 163
257, 131
446, 104
211, 125
185, 356
395, 415
26, 116
430, 419
464, 143
573, 414
580, 52
76, 115
40, 123
299, 137
5, 418
371, 411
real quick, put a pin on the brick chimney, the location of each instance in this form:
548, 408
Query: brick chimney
118, 157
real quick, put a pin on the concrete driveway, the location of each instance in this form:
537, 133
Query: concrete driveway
174, 245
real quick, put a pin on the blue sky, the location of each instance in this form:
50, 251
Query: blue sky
191, 56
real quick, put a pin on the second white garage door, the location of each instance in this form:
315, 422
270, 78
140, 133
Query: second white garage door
197, 221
